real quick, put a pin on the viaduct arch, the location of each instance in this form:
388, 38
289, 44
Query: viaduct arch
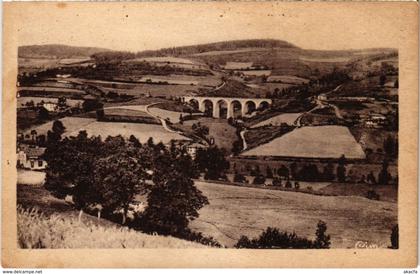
226, 106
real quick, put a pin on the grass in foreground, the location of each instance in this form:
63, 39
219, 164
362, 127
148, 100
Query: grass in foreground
35, 230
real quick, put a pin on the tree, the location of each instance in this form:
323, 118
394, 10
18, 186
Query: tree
274, 238
283, 172
33, 135
62, 102
43, 114
382, 80
341, 169
259, 179
396, 85
276, 182
91, 104
100, 114
70, 166
41, 140
328, 172
394, 237
134, 141
181, 119
293, 169
150, 142
212, 162
390, 146
173, 200
236, 147
322, 239
58, 127
238, 178
269, 172
384, 176
371, 178
117, 180
288, 183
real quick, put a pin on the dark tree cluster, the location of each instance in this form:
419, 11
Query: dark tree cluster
110, 174
272, 238
212, 162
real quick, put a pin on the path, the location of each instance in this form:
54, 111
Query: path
162, 121
244, 144
320, 104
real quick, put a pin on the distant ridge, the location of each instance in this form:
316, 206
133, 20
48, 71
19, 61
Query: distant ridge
57, 51
217, 46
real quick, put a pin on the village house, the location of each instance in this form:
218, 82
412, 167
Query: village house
31, 157
50, 106
192, 149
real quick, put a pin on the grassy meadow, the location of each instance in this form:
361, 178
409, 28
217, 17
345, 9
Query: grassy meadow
236, 211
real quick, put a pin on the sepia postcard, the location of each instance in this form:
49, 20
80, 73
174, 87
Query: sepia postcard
210, 134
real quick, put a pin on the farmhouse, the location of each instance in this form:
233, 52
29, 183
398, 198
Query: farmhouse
50, 106
31, 157
192, 149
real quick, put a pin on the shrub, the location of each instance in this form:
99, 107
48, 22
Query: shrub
276, 181
288, 184
259, 180
322, 240
372, 195
394, 237
273, 238
239, 178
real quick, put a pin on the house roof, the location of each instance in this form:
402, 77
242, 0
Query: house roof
32, 151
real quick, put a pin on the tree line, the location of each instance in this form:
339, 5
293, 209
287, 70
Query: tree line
109, 175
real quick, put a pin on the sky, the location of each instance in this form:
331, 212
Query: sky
144, 26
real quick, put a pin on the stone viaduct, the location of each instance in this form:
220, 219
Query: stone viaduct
231, 105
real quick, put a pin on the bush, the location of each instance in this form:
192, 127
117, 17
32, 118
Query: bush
394, 237
273, 238
372, 195
288, 184
259, 180
239, 178
276, 181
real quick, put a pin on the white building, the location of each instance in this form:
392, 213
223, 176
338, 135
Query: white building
31, 157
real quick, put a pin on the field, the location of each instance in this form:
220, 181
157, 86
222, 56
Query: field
256, 72
159, 90
21, 101
223, 133
288, 118
173, 116
30, 177
122, 111
221, 52
54, 225
313, 142
288, 79
142, 131
236, 211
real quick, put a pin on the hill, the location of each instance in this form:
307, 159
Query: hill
281, 57
45, 221
218, 46
57, 51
